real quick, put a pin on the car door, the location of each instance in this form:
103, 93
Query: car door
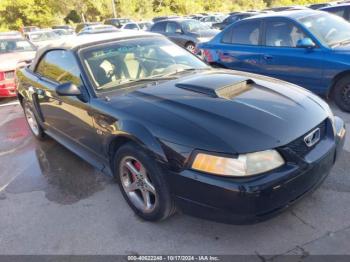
65, 117
284, 60
174, 32
239, 48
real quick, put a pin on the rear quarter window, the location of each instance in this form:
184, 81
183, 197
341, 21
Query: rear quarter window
158, 27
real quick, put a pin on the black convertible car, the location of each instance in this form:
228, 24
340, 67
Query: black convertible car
176, 133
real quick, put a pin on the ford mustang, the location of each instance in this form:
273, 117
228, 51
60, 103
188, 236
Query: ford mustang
176, 133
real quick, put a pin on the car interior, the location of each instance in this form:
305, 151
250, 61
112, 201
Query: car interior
114, 67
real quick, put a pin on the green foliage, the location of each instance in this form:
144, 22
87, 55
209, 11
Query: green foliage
44, 13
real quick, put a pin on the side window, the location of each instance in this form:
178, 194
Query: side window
158, 27
246, 33
226, 38
131, 26
337, 11
59, 66
283, 34
172, 28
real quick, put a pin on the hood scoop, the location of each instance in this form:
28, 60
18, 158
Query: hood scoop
225, 86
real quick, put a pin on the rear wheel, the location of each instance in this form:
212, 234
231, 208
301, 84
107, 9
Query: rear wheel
32, 121
341, 93
142, 184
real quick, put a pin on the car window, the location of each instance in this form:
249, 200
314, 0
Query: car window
15, 45
117, 65
158, 27
329, 29
247, 33
172, 27
59, 66
283, 34
337, 11
131, 26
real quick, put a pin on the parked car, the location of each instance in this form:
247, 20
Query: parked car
160, 18
14, 50
184, 32
232, 19
64, 32
286, 8
176, 133
309, 48
98, 29
66, 27
42, 37
145, 26
117, 22
27, 29
11, 33
81, 26
319, 5
342, 10
211, 19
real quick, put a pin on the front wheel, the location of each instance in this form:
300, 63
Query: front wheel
341, 93
142, 184
32, 121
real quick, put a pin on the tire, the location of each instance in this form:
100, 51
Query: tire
190, 46
147, 179
341, 93
32, 121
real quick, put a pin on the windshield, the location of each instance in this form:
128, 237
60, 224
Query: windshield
15, 45
330, 30
193, 26
110, 66
42, 36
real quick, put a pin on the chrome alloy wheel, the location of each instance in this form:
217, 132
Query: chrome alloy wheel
137, 184
32, 122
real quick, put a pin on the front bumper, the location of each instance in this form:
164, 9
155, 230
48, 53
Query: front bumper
251, 200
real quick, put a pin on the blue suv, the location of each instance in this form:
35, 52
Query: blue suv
308, 48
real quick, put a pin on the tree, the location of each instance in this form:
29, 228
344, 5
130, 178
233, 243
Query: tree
72, 17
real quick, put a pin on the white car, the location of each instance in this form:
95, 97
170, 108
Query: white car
145, 26
41, 37
210, 19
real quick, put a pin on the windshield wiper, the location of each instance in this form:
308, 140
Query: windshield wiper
186, 70
148, 79
340, 43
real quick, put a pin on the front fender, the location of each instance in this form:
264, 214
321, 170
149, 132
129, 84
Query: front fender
131, 130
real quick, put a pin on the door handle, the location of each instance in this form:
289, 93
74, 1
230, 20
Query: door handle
268, 57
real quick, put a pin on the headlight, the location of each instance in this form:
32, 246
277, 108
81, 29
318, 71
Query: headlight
242, 166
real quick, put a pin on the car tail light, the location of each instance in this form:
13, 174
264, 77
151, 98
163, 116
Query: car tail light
207, 55
2, 76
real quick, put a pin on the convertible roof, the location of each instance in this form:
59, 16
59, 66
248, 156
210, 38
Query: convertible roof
75, 42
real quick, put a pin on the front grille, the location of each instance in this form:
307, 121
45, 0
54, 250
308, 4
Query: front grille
299, 146
9, 74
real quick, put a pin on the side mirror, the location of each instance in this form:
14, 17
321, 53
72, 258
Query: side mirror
305, 43
178, 31
68, 89
23, 63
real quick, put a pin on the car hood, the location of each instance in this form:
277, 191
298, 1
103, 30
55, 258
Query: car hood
251, 112
8, 61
